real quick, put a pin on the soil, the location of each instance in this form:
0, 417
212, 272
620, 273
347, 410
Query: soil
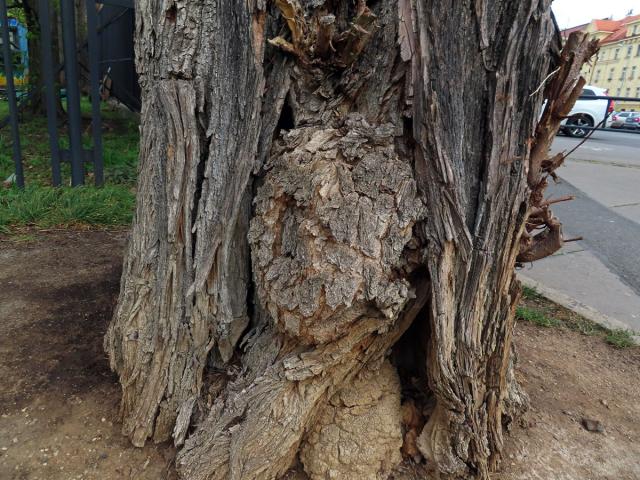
59, 400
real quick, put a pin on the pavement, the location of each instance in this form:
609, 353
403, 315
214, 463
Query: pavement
599, 276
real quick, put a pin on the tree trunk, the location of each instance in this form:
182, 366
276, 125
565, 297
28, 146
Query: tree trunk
330, 206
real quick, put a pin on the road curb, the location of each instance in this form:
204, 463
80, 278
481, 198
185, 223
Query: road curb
574, 305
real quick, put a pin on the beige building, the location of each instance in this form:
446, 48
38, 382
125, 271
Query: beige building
617, 65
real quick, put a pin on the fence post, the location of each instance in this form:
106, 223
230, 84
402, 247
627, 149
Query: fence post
73, 92
50, 90
94, 76
11, 94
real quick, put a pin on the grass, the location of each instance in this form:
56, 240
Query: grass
536, 317
536, 309
43, 206
530, 293
620, 338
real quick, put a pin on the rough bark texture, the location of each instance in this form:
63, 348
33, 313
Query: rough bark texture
474, 181
184, 288
319, 179
358, 434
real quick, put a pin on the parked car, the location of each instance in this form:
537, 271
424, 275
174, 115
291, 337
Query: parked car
610, 119
633, 121
587, 112
620, 118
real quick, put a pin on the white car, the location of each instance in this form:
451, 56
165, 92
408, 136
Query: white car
587, 112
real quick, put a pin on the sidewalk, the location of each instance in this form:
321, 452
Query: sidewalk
576, 279
598, 277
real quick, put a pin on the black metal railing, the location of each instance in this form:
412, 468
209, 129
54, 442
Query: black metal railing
76, 155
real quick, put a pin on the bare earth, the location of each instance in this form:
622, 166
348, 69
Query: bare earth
59, 401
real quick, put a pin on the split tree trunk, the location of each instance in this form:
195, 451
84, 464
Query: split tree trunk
330, 204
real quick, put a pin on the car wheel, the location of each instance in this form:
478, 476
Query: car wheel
579, 120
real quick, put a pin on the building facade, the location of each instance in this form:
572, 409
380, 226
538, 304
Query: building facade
617, 65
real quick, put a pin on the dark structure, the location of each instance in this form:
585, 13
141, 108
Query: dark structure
111, 72
118, 70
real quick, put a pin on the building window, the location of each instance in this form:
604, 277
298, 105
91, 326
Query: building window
633, 73
611, 72
597, 78
628, 93
635, 29
615, 54
624, 73
638, 51
629, 50
618, 92
637, 92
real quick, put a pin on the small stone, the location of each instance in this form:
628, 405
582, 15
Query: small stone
605, 403
15, 440
592, 425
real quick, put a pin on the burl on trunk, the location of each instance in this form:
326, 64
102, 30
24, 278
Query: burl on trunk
332, 198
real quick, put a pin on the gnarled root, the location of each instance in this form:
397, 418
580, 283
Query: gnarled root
357, 434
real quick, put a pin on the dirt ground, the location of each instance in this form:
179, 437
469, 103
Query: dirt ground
59, 400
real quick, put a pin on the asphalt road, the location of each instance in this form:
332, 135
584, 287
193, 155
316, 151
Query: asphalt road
610, 147
604, 176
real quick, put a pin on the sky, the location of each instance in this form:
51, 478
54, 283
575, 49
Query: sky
570, 13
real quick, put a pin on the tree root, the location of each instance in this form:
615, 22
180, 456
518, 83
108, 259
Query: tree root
255, 429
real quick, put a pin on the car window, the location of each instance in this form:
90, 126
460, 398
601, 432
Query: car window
624, 114
587, 93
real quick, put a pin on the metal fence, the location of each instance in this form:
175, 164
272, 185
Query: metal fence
76, 154
117, 46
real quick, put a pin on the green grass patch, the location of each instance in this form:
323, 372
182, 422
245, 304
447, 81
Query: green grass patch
120, 138
536, 317
538, 310
620, 338
530, 293
44, 207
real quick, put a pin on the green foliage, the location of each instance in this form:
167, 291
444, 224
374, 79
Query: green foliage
584, 326
44, 207
539, 311
620, 338
530, 293
17, 12
120, 146
536, 317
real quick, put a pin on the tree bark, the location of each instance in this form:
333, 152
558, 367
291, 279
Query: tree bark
320, 273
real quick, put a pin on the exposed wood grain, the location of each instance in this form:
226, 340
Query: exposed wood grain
473, 176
